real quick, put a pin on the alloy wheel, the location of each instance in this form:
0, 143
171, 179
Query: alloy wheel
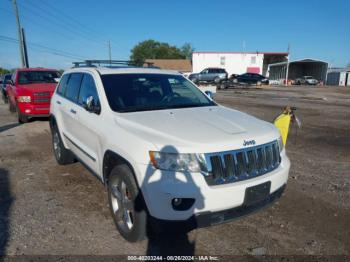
122, 205
56, 145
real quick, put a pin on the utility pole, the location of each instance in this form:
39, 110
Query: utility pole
20, 37
287, 65
26, 61
110, 52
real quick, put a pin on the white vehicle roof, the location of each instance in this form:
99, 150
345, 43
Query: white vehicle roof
123, 70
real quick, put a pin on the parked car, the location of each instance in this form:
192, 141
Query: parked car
233, 76
306, 80
29, 92
169, 156
3, 86
251, 78
215, 75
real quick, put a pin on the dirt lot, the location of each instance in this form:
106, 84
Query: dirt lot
50, 209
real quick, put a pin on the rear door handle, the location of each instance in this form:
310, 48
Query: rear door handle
58, 102
73, 111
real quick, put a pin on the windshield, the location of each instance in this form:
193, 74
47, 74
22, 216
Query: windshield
33, 77
142, 92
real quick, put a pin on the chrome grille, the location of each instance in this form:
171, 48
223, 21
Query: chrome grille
41, 97
42, 94
237, 165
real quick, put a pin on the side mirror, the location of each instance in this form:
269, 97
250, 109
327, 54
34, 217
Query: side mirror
91, 105
210, 94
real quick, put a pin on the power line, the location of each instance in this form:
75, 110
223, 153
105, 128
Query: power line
77, 22
58, 22
63, 22
41, 25
60, 19
40, 46
70, 19
44, 48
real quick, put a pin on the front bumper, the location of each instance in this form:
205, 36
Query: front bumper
206, 219
159, 188
34, 110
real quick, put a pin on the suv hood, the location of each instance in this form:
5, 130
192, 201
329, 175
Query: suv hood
39, 87
197, 130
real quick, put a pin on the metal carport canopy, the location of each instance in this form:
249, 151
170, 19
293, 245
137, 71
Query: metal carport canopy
299, 68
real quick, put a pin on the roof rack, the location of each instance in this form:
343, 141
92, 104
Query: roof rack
110, 63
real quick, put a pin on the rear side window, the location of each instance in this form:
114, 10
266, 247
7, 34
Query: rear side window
73, 86
88, 88
63, 84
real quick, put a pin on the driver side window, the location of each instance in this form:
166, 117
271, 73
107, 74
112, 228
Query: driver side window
205, 71
87, 89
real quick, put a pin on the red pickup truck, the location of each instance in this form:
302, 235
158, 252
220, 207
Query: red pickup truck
29, 92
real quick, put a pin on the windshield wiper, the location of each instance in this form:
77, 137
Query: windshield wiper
187, 105
149, 108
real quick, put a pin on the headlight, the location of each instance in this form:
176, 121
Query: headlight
280, 144
178, 162
24, 99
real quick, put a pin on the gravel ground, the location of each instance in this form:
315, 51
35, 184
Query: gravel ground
62, 210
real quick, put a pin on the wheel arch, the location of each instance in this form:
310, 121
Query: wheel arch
112, 159
52, 121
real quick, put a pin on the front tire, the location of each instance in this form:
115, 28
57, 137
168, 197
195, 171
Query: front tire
22, 119
63, 156
126, 204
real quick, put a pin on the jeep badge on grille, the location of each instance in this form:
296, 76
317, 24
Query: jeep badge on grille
249, 142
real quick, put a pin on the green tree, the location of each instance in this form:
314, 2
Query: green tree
151, 49
187, 49
4, 71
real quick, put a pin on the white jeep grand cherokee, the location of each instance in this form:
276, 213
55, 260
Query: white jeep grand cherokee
168, 154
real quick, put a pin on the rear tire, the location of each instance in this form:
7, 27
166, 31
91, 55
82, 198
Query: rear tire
217, 80
4, 98
11, 107
63, 155
126, 204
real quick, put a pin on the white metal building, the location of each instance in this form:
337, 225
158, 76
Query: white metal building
298, 68
338, 77
236, 62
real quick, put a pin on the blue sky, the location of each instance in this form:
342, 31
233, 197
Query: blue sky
314, 28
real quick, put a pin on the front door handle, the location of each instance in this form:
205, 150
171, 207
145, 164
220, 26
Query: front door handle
73, 111
58, 102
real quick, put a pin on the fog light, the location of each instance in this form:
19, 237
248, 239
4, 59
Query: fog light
27, 111
177, 201
182, 204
